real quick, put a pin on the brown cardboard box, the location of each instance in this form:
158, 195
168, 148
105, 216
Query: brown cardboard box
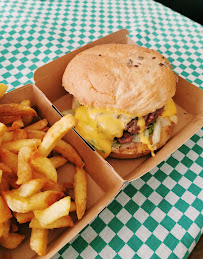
188, 98
105, 177
102, 181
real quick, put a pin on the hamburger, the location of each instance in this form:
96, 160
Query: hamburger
122, 99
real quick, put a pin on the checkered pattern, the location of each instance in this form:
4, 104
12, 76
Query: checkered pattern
161, 214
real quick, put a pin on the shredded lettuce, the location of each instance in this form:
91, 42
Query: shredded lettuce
116, 144
93, 143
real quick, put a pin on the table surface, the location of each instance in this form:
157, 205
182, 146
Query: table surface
160, 214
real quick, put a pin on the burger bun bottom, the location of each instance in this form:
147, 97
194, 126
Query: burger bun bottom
137, 149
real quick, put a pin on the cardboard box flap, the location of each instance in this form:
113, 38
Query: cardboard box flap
49, 76
188, 98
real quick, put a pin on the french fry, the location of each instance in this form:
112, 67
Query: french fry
28, 118
30, 188
80, 191
38, 201
35, 134
1, 229
68, 152
58, 161
3, 129
17, 124
1, 174
6, 228
9, 119
44, 166
48, 184
72, 206
10, 159
14, 135
15, 145
5, 213
23, 217
39, 125
5, 168
62, 147
16, 109
65, 221
56, 210
3, 89
38, 240
56, 132
4, 185
24, 172
45, 129
12, 241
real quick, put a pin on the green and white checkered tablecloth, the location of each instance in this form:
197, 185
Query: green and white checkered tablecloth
159, 215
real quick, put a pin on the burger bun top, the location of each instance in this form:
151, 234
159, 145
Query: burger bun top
123, 77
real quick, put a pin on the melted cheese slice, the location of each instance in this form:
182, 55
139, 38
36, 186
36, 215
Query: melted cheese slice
100, 126
169, 109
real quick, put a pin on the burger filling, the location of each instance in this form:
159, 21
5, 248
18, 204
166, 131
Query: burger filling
105, 129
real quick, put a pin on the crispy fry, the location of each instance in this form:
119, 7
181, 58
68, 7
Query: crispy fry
19, 134
1, 229
58, 161
80, 191
4, 185
72, 206
24, 172
14, 135
45, 129
43, 165
68, 152
15, 145
48, 184
5, 212
39, 125
23, 217
8, 119
3, 129
1, 174
3, 89
17, 124
12, 241
38, 201
65, 221
6, 228
30, 188
62, 147
56, 210
5, 168
56, 132
38, 240
10, 159
35, 134
28, 118
16, 109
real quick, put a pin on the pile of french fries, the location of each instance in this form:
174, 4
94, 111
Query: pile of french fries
30, 154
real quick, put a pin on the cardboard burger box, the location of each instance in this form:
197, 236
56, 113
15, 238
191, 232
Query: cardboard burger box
105, 177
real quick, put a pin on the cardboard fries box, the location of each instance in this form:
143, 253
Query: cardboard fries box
102, 181
105, 177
